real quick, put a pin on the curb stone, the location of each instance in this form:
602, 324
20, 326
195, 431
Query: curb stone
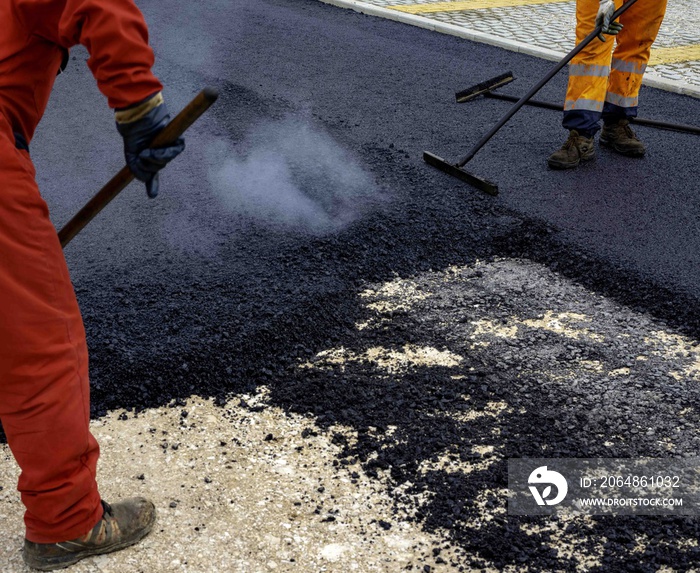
650, 78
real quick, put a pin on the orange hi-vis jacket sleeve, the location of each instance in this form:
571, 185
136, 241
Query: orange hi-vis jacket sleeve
35, 35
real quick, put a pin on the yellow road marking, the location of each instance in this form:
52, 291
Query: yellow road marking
675, 55
659, 56
459, 5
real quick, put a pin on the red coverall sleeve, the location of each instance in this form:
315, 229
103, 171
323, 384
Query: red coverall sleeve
114, 33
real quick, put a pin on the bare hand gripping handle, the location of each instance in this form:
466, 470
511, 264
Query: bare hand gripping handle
180, 123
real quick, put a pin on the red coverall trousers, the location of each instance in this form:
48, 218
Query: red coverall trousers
44, 387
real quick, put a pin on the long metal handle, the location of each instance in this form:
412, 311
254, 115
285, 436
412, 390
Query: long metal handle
523, 100
170, 133
680, 127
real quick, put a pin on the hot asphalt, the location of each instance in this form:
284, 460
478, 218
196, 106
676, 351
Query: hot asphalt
187, 295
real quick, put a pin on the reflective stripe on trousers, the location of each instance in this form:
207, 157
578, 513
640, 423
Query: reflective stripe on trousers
605, 77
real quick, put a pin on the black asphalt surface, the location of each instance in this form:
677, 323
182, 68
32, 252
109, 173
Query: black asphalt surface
186, 295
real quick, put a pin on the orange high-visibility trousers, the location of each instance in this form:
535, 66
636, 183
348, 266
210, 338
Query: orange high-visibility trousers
605, 77
44, 387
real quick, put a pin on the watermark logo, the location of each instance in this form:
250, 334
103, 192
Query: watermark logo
604, 486
542, 476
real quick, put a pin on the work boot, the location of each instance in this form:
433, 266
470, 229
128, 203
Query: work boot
122, 524
620, 137
576, 149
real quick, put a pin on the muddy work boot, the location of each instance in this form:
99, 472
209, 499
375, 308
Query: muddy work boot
620, 137
123, 524
575, 150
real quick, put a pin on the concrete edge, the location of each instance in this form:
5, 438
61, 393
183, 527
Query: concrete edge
650, 78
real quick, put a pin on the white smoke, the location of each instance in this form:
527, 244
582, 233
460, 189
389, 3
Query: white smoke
292, 176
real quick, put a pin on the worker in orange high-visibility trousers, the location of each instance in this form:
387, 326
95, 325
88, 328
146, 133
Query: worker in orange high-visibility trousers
44, 387
605, 77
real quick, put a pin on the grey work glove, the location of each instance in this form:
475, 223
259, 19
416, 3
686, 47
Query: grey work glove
144, 162
604, 19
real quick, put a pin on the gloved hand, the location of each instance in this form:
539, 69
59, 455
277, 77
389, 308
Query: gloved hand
604, 17
144, 162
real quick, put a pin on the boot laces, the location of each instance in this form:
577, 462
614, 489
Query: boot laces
628, 131
624, 126
571, 142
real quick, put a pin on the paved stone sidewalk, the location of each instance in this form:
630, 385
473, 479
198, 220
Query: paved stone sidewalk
546, 28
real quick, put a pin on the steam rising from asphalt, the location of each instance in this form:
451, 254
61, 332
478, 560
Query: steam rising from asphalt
293, 177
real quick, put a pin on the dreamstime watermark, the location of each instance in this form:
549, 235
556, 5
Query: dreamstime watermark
604, 486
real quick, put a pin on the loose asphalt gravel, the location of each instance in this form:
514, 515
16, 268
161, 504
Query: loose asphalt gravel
316, 353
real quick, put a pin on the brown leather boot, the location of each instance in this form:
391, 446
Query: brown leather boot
620, 137
576, 149
123, 524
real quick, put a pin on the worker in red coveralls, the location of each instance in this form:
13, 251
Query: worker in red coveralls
604, 79
44, 388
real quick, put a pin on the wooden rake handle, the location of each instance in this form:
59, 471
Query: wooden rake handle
182, 121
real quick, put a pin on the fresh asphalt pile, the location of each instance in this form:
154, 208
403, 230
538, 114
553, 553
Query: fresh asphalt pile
433, 337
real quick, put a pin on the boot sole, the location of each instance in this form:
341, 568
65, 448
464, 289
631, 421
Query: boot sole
621, 150
51, 564
561, 165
